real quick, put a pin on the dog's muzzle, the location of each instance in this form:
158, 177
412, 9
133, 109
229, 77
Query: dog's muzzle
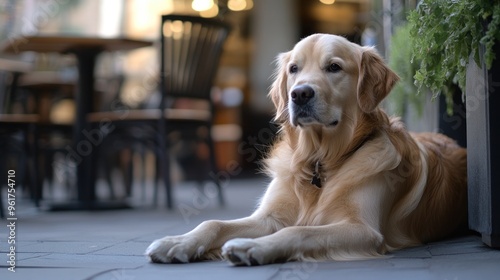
301, 108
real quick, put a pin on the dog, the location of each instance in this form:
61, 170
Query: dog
348, 181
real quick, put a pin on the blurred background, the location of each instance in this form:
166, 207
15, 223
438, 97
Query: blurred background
242, 129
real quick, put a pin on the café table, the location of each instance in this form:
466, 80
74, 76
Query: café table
86, 50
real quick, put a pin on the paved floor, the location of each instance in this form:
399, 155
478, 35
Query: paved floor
110, 245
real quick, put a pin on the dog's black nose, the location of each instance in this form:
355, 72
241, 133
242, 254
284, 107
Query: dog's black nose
302, 94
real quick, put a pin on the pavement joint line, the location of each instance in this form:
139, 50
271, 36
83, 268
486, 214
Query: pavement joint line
113, 270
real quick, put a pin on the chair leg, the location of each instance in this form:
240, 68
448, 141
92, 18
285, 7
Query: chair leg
37, 177
108, 169
93, 157
165, 167
213, 166
129, 169
156, 179
166, 178
142, 152
2, 215
2, 169
34, 163
46, 158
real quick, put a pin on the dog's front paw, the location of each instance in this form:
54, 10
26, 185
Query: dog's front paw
245, 251
174, 249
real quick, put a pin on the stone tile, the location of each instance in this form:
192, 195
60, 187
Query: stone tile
20, 256
369, 269
125, 249
415, 252
483, 265
194, 271
62, 247
28, 273
56, 261
463, 247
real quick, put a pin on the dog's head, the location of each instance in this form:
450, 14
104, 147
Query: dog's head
325, 79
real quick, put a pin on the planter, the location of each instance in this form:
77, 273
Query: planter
483, 148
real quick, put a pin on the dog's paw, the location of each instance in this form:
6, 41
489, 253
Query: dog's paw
174, 249
245, 251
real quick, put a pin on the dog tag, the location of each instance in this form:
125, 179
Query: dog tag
316, 180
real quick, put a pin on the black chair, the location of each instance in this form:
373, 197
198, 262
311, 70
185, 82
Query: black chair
190, 52
51, 95
18, 139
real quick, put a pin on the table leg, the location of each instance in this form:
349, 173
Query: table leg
82, 146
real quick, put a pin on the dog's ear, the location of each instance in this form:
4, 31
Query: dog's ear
375, 80
278, 91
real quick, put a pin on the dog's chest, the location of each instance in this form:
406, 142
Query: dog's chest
319, 205
311, 201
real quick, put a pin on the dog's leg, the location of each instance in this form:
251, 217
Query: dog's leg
338, 241
207, 237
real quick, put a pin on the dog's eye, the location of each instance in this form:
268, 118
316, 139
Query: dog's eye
293, 69
333, 68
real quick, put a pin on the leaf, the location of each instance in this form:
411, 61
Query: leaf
445, 35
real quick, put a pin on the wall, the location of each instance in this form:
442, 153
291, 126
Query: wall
275, 29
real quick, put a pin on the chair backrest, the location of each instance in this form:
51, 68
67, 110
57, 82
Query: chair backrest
190, 52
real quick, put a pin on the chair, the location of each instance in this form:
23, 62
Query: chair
189, 57
18, 137
53, 95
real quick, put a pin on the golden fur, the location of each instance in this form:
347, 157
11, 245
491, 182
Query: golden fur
382, 188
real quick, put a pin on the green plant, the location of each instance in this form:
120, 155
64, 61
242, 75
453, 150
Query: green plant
400, 55
445, 33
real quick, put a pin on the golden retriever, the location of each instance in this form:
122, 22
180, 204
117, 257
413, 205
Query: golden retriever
348, 182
